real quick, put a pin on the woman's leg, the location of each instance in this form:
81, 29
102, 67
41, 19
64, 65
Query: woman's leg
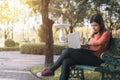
78, 58
50, 71
77, 55
66, 68
83, 58
65, 54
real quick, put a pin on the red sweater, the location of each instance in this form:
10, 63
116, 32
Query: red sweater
100, 42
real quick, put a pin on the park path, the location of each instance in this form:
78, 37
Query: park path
15, 66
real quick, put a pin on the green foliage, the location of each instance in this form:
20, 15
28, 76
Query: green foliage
58, 49
41, 34
9, 43
111, 12
26, 41
17, 44
39, 48
34, 4
32, 48
70, 10
9, 49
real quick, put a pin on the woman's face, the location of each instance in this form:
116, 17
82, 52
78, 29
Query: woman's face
95, 26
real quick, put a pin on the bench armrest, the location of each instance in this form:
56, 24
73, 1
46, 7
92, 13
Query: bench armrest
106, 56
111, 63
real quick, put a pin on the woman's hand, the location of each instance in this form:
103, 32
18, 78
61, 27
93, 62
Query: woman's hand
89, 43
84, 45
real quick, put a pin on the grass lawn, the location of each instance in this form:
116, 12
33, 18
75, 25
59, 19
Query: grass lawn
89, 75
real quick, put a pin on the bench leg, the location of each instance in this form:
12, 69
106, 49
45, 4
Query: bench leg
82, 74
76, 73
102, 76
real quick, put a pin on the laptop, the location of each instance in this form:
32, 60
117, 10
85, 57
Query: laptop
74, 40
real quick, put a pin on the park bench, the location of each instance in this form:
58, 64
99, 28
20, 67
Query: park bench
110, 70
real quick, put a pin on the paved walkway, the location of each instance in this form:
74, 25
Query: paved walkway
15, 66
16, 75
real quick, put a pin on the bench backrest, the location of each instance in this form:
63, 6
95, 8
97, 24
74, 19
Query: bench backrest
112, 62
115, 46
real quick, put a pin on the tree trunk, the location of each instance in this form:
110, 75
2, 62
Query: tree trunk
6, 33
71, 29
71, 25
47, 26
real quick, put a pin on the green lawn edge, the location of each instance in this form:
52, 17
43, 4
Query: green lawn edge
89, 75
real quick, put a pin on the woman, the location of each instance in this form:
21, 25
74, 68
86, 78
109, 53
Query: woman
98, 43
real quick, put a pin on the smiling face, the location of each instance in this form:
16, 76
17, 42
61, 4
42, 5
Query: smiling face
95, 26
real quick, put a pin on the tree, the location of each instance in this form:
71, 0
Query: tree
10, 14
113, 15
73, 11
112, 12
34, 4
5, 19
42, 6
47, 25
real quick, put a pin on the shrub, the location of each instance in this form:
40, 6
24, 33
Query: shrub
39, 48
58, 49
9, 49
26, 41
32, 48
41, 34
17, 44
9, 43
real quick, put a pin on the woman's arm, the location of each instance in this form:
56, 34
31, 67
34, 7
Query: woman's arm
103, 39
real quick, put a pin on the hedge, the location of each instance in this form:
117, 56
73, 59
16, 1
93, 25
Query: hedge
39, 49
58, 49
9, 48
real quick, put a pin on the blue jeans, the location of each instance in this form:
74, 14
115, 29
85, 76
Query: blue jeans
70, 57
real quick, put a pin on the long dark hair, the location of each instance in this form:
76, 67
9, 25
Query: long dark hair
98, 19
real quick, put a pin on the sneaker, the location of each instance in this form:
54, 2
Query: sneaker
45, 72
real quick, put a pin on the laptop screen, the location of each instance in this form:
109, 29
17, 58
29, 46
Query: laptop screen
74, 40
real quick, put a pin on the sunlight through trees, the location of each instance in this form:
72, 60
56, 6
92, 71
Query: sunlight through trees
15, 16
